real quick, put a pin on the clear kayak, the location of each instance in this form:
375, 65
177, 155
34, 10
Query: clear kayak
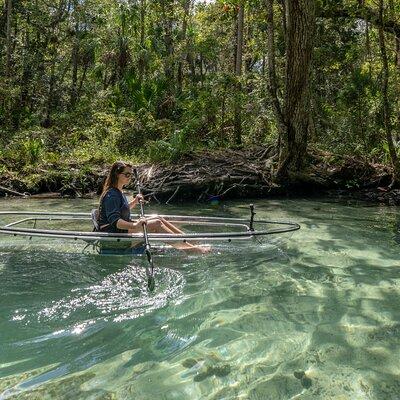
71, 226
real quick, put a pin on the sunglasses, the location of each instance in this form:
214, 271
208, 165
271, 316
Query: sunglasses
127, 174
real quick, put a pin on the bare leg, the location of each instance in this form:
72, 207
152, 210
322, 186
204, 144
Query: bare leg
168, 224
156, 225
173, 228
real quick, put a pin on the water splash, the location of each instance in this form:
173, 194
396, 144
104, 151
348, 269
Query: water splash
120, 296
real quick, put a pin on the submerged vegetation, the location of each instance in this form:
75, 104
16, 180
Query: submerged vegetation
85, 82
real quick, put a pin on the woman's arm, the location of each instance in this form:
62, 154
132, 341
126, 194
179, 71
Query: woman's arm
126, 225
112, 207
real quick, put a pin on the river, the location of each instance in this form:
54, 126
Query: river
313, 314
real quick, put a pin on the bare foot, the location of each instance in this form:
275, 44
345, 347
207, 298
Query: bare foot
198, 249
205, 249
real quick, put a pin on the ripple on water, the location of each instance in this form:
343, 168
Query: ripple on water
119, 296
317, 318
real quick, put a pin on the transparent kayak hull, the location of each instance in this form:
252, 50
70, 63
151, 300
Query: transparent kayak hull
77, 226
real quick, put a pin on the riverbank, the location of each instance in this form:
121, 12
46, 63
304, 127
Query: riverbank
217, 175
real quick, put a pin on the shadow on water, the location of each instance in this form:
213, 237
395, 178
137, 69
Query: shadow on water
355, 324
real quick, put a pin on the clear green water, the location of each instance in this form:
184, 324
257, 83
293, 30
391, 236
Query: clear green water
242, 323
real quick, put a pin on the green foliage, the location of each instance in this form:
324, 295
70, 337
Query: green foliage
137, 129
3, 169
134, 95
26, 148
107, 86
169, 150
32, 149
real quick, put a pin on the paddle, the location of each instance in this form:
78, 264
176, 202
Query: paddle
151, 283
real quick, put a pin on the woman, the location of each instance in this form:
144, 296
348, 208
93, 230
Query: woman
114, 210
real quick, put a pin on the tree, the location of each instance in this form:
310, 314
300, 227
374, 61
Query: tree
238, 73
299, 47
385, 99
9, 38
272, 77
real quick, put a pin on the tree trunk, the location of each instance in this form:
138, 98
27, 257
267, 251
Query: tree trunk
222, 138
273, 83
85, 68
123, 48
284, 17
169, 44
238, 73
368, 46
8, 38
74, 57
239, 41
166, 104
192, 67
49, 104
183, 41
397, 51
26, 77
142, 61
201, 69
300, 37
263, 62
385, 98
142, 22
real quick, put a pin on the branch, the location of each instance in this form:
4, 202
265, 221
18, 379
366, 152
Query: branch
13, 192
361, 12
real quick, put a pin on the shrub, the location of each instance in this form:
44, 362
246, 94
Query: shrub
169, 150
139, 128
32, 149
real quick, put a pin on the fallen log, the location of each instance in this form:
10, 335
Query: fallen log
12, 192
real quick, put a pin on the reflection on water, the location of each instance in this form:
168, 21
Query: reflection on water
315, 316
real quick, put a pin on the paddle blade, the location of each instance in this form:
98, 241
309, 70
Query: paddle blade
149, 258
151, 283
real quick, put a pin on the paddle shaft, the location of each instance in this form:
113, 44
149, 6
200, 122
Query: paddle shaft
146, 238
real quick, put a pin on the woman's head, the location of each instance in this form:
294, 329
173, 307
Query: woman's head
120, 173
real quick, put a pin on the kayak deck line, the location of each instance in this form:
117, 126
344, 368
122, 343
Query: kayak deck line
244, 228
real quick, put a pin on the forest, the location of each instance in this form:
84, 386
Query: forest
86, 82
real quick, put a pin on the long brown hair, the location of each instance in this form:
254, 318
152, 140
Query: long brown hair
112, 177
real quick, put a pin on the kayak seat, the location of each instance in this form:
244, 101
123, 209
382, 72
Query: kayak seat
95, 219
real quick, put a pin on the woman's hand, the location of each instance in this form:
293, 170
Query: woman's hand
140, 222
136, 200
